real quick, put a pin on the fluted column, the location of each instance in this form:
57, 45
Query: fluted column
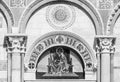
16, 47
104, 46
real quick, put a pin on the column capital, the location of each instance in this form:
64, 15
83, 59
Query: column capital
15, 43
104, 44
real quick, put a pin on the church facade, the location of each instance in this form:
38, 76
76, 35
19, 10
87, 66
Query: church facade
59, 40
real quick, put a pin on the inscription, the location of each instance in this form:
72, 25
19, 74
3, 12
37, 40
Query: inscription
70, 41
59, 40
48, 42
83, 51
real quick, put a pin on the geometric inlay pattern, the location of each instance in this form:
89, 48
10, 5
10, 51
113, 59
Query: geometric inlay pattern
60, 16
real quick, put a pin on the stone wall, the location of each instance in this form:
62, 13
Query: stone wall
10, 22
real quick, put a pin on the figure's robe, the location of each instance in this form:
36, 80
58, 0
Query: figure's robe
59, 63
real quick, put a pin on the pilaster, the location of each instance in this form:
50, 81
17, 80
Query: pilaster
16, 47
104, 47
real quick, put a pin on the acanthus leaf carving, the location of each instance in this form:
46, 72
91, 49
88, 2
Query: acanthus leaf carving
15, 43
105, 44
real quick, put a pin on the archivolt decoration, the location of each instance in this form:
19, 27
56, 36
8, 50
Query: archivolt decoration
81, 4
61, 39
112, 19
8, 15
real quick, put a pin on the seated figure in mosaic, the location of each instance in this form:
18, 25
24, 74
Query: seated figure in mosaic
58, 62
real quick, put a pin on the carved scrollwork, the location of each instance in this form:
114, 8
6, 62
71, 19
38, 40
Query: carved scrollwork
105, 44
15, 43
105, 4
17, 3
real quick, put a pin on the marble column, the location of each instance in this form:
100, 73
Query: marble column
104, 46
16, 47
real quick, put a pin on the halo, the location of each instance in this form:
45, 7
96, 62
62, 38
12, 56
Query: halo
59, 49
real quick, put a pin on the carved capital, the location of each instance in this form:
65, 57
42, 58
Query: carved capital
104, 44
15, 43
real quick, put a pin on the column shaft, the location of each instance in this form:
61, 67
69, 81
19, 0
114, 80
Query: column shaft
22, 67
105, 67
16, 67
9, 67
16, 47
112, 67
104, 45
98, 68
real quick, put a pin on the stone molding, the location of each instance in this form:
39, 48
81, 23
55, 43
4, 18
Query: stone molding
8, 15
104, 44
87, 7
112, 19
15, 43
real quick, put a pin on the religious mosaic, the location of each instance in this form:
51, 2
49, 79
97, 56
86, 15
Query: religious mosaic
65, 57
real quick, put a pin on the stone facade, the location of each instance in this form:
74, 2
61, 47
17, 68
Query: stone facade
86, 32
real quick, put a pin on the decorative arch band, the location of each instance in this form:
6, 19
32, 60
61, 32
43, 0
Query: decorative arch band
84, 5
7, 15
61, 39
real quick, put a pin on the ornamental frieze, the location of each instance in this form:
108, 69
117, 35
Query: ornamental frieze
105, 4
17, 3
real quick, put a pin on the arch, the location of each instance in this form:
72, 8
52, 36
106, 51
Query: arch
79, 57
34, 56
81, 4
7, 15
112, 19
69, 58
